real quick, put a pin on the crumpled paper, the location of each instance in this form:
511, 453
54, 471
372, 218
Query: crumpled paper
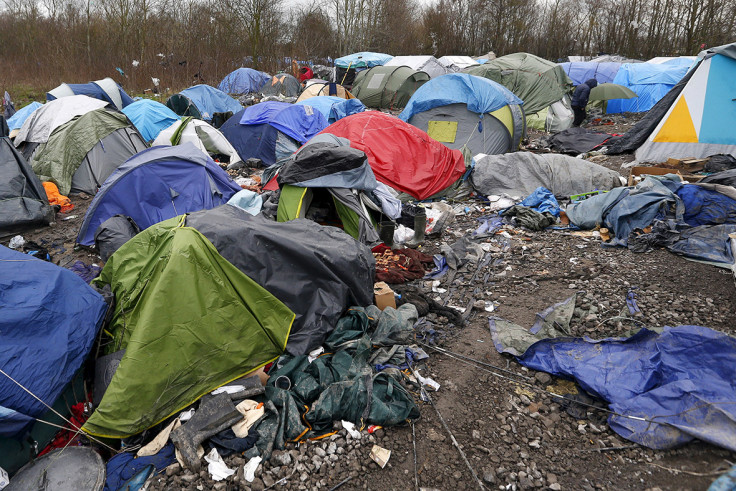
217, 468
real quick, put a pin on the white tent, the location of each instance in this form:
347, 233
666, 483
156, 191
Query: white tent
427, 64
457, 63
43, 121
202, 135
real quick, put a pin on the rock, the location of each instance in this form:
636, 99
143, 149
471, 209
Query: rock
319, 452
435, 435
189, 477
257, 485
551, 478
555, 486
173, 469
489, 477
543, 378
219, 486
268, 481
331, 448
476, 435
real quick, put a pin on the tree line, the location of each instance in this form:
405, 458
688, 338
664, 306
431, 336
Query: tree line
181, 42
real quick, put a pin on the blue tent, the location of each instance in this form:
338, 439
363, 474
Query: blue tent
481, 95
364, 59
105, 90
581, 71
17, 119
157, 184
243, 81
205, 100
150, 117
272, 130
49, 322
649, 81
334, 108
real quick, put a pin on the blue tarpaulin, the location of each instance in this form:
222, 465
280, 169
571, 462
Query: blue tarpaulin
580, 71
49, 319
705, 206
158, 184
299, 122
16, 120
543, 201
479, 94
243, 81
333, 108
210, 100
364, 59
649, 81
679, 385
150, 117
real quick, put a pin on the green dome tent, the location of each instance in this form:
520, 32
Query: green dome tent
388, 87
541, 84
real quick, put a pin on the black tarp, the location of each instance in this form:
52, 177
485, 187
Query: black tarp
318, 160
318, 272
23, 200
636, 136
577, 140
726, 177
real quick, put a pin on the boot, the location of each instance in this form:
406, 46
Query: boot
386, 233
420, 225
215, 413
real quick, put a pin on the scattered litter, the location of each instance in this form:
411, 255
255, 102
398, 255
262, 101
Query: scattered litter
17, 242
228, 389
380, 455
217, 468
314, 354
70, 217
428, 382
186, 415
350, 428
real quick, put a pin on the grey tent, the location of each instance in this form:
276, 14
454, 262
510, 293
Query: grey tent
23, 200
326, 181
281, 84
520, 173
318, 272
82, 153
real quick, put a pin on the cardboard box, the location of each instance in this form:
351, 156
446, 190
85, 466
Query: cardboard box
384, 295
688, 165
641, 171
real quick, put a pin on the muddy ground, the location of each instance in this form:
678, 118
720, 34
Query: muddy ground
514, 436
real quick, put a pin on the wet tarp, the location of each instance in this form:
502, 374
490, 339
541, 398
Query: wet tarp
300, 122
710, 243
333, 108
16, 120
342, 384
49, 322
726, 178
23, 199
575, 141
318, 272
189, 322
666, 389
520, 173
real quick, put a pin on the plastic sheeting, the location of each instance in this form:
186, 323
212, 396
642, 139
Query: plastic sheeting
363, 59
401, 156
300, 122
334, 108
243, 81
318, 272
210, 100
23, 199
667, 389
16, 120
520, 173
706, 206
651, 82
150, 117
261, 141
156, 184
580, 71
479, 94
49, 322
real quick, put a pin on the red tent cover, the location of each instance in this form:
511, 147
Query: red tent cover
401, 155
